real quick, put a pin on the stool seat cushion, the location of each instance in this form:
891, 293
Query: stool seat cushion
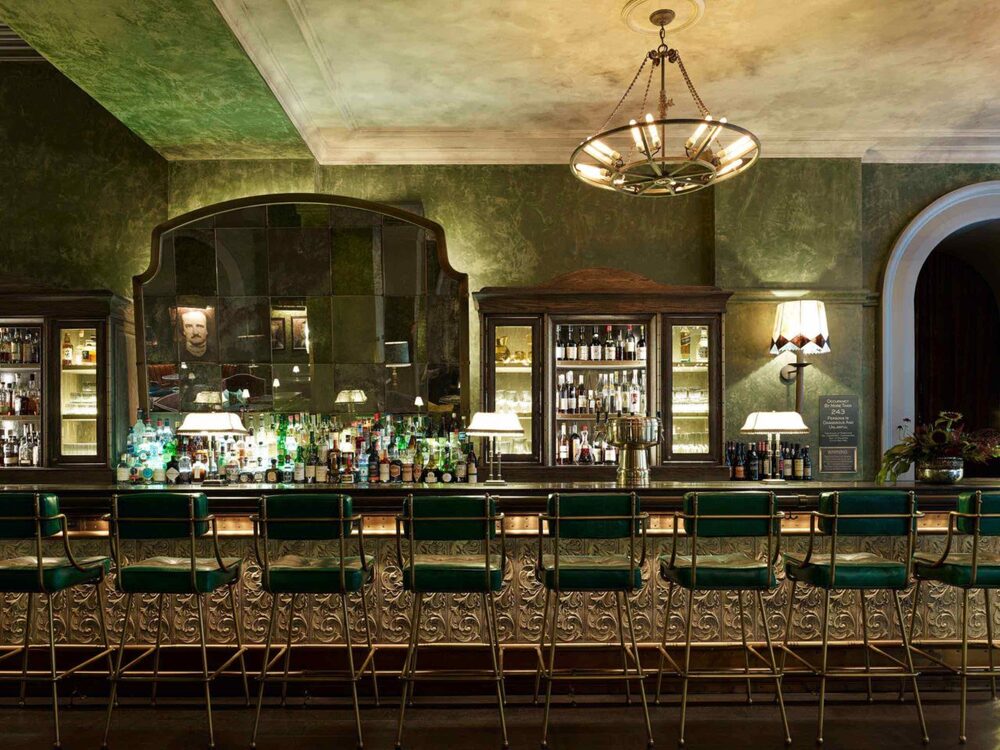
294, 574
731, 571
956, 570
457, 574
172, 575
20, 574
855, 570
591, 573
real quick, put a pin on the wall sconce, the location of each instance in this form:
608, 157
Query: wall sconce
800, 327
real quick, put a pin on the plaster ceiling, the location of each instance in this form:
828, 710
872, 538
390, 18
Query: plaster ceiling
520, 81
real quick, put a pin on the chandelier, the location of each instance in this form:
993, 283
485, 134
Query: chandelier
664, 156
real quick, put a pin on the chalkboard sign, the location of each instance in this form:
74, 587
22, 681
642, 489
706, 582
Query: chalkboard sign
838, 434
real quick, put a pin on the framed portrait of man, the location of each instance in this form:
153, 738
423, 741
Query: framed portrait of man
277, 334
300, 334
196, 334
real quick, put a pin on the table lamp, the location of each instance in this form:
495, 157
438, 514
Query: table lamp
210, 424
800, 327
774, 423
493, 425
397, 354
351, 396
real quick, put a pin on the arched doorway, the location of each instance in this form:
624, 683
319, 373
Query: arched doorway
945, 216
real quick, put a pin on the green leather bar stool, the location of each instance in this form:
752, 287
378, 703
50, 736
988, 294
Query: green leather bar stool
160, 517
978, 515
859, 513
312, 518
34, 517
458, 519
724, 515
599, 519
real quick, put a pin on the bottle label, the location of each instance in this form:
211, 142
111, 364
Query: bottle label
322, 474
446, 476
407, 473
642, 353
383, 472
595, 351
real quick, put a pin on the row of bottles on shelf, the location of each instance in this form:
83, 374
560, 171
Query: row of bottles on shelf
684, 346
19, 398
21, 450
20, 346
305, 448
574, 446
613, 392
623, 347
768, 460
83, 351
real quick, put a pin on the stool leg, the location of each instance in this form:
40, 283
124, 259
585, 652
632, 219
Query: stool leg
238, 627
288, 654
204, 667
909, 663
864, 635
550, 669
687, 666
638, 669
774, 666
350, 666
490, 636
368, 640
118, 669
541, 645
406, 675
271, 627
621, 634
746, 653
989, 643
156, 652
823, 664
495, 623
103, 622
54, 673
788, 628
663, 642
27, 642
965, 664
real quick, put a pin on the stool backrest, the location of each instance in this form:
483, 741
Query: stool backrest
306, 517
985, 507
159, 515
868, 513
28, 515
744, 514
441, 518
597, 516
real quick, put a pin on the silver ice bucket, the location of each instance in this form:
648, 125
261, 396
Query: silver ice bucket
634, 436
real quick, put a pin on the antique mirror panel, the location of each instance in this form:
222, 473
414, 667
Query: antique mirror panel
302, 302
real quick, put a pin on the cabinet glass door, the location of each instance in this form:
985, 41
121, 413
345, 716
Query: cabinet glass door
21, 399
513, 385
79, 391
691, 396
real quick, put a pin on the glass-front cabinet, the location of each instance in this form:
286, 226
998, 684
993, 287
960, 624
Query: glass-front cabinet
571, 353
21, 393
81, 367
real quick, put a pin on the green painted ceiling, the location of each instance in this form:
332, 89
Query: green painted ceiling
170, 70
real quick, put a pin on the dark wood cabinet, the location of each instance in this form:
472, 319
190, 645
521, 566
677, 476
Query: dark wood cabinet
531, 348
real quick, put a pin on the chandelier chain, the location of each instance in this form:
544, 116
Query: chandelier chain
645, 94
687, 80
625, 95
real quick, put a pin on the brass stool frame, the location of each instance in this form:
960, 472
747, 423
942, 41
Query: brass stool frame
53, 675
410, 675
126, 672
351, 675
771, 669
631, 668
897, 669
991, 672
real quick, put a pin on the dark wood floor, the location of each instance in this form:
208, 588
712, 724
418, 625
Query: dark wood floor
465, 725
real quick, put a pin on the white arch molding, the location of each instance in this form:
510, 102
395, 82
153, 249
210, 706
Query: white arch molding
948, 214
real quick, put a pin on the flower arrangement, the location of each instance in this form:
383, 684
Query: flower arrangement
945, 437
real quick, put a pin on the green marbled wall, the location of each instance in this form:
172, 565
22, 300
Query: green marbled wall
79, 192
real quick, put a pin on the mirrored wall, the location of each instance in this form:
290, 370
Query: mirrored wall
302, 303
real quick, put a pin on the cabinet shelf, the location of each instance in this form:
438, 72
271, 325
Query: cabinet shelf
79, 369
576, 417
79, 417
19, 418
698, 367
20, 368
589, 364
513, 368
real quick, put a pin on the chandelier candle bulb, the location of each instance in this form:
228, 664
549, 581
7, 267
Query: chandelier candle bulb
602, 152
637, 136
729, 167
736, 149
592, 172
654, 134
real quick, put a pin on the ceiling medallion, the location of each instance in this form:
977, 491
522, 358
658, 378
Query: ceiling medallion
663, 156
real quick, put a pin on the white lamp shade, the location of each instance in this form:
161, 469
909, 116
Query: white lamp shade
788, 422
397, 354
800, 326
351, 396
489, 424
212, 423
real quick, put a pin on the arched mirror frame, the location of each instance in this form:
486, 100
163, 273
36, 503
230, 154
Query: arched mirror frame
337, 201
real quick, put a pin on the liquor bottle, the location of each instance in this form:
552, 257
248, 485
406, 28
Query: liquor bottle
562, 395
582, 401
67, 350
619, 347
562, 447
582, 347
586, 457
739, 465
752, 467
560, 345
728, 458
797, 465
685, 344
384, 468
596, 349
807, 465
461, 467
473, 465
640, 347
635, 395
312, 459
571, 352
430, 472
122, 470
610, 452
765, 472
609, 346
787, 465
447, 467
570, 393
630, 344
574, 445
